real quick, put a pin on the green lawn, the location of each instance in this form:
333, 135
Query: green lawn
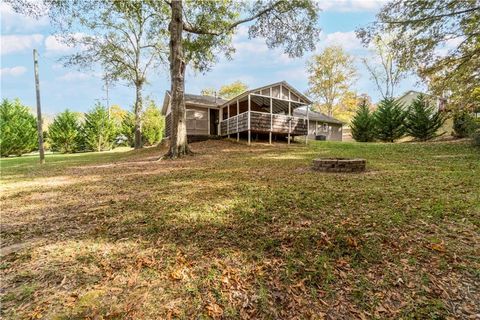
243, 232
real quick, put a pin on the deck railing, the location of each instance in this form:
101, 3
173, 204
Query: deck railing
264, 122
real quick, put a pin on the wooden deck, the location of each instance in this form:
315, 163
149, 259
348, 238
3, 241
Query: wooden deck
264, 123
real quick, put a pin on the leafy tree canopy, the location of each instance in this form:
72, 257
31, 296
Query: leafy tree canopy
441, 38
227, 91
331, 74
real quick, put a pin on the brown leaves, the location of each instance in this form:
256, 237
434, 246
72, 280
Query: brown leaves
214, 310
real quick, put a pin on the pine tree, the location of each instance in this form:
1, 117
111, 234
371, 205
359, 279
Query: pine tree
127, 128
422, 121
65, 134
363, 124
99, 129
463, 124
18, 129
389, 120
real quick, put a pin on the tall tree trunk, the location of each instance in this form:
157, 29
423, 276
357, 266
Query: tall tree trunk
138, 117
178, 136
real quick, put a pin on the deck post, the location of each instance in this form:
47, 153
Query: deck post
228, 121
308, 127
289, 120
238, 112
271, 118
220, 116
249, 118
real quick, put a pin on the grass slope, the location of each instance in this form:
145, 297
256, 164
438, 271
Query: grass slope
243, 232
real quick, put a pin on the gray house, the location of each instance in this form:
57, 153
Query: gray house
274, 111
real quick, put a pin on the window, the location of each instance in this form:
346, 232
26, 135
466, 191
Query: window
325, 127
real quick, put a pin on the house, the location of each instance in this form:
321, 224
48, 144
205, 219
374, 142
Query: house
277, 110
408, 97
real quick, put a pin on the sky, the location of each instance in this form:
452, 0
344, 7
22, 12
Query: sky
253, 63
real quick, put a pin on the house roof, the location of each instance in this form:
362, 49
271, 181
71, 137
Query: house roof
313, 115
412, 94
195, 99
283, 83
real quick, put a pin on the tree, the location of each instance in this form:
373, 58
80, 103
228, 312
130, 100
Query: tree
331, 74
385, 70
126, 37
439, 38
347, 106
363, 123
200, 30
463, 124
153, 124
389, 120
99, 129
423, 121
227, 91
127, 128
65, 133
18, 129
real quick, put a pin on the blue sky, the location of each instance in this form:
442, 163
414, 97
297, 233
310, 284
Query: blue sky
252, 63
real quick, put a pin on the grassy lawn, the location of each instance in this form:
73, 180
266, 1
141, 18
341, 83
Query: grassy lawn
243, 232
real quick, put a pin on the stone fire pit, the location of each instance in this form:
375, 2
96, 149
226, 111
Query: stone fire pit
339, 165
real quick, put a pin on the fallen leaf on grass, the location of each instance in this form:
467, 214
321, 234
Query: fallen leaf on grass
214, 310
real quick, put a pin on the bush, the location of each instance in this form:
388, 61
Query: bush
65, 133
18, 129
463, 124
389, 120
363, 124
99, 129
423, 121
153, 124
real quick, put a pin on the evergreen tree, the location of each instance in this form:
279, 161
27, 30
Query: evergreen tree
127, 128
363, 123
422, 121
18, 129
65, 134
153, 124
463, 124
99, 129
389, 120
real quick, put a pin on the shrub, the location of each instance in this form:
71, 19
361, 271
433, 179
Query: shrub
363, 124
99, 129
65, 134
153, 124
18, 129
423, 121
389, 120
463, 124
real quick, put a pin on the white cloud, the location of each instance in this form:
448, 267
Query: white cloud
14, 72
14, 22
53, 45
19, 43
76, 76
351, 5
348, 40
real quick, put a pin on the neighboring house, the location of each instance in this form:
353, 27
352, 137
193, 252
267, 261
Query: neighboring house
408, 97
276, 110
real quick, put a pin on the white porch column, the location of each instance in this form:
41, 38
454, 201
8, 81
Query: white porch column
290, 120
271, 117
238, 112
308, 126
249, 118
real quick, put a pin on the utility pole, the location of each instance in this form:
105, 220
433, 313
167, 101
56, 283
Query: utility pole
108, 101
39, 109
